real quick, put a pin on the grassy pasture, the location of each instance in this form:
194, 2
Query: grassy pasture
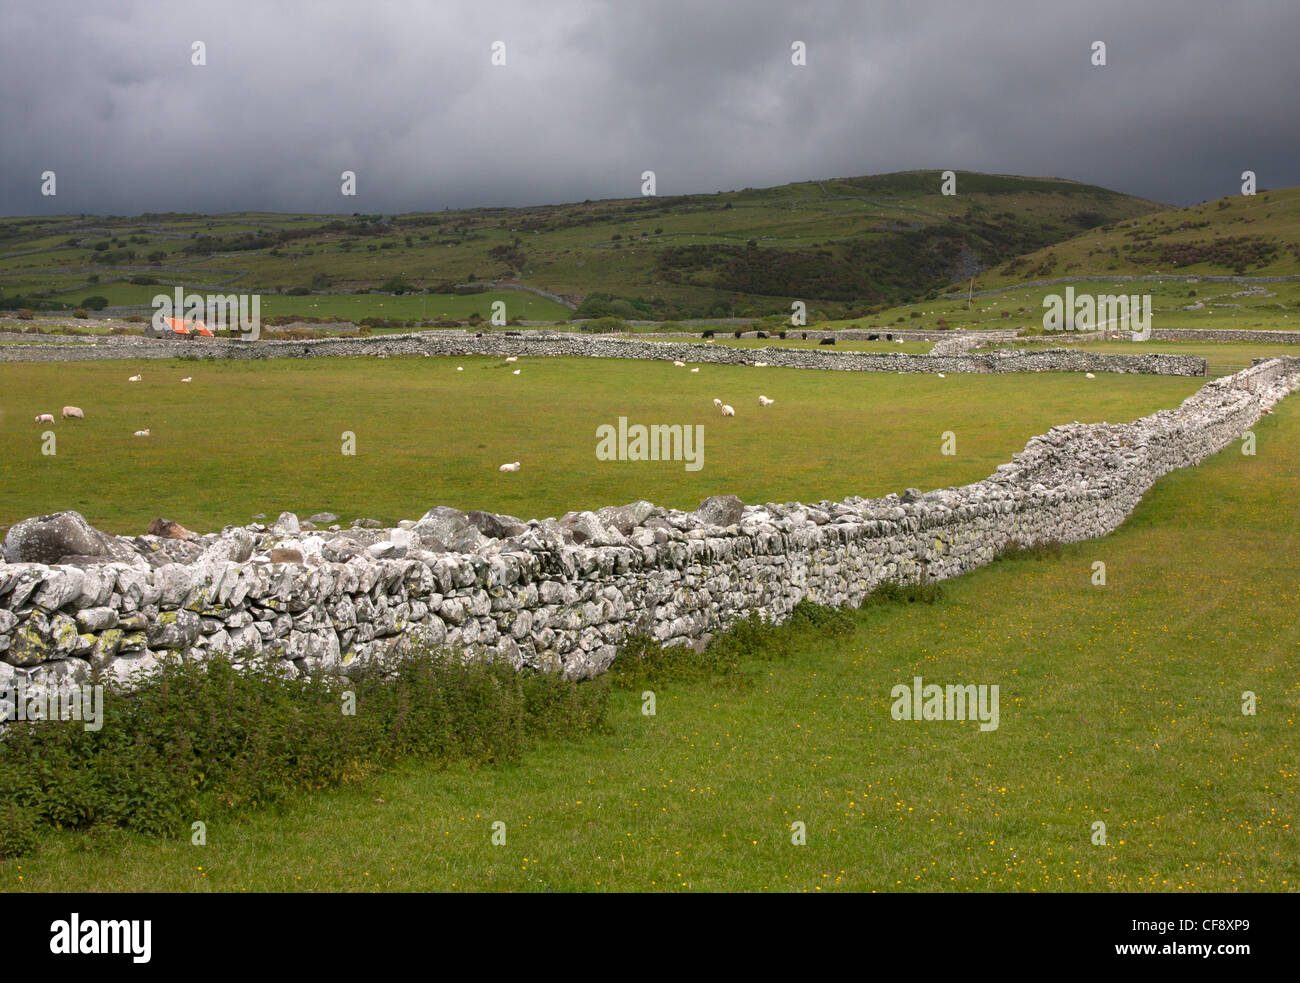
1119, 704
249, 437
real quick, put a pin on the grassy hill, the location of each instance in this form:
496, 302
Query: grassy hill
841, 245
1239, 236
1243, 236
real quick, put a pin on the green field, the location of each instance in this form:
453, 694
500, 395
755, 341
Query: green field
1119, 704
265, 436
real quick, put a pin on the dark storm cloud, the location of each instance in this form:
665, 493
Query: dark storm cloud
703, 93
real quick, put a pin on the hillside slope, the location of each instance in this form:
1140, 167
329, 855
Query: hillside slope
841, 245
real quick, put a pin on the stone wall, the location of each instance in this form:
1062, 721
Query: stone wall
1125, 278
561, 594
543, 344
1227, 334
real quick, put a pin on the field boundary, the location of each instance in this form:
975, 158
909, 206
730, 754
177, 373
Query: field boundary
561, 595
550, 345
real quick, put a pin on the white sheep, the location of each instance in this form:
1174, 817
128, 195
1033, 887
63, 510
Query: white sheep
515, 372
45, 418
141, 433
188, 378
460, 368
513, 466
1089, 375
73, 412
135, 378
942, 376
512, 358
760, 365
728, 410
717, 402
680, 365
764, 401
696, 369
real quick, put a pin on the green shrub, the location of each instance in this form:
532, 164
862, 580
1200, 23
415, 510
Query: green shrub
197, 738
81, 312
1048, 549
95, 303
603, 325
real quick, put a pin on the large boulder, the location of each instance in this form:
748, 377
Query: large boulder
720, 510
161, 551
447, 530
496, 526
587, 528
625, 518
235, 545
49, 538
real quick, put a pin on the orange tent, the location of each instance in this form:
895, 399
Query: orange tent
180, 326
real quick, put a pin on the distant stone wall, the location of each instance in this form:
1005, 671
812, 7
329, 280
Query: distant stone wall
562, 594
1125, 278
542, 344
1226, 334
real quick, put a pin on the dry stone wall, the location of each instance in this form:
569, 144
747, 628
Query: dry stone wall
561, 594
542, 345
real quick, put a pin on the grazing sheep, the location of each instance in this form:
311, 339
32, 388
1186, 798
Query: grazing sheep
717, 402
45, 418
460, 368
942, 376
764, 401
728, 410
760, 365
515, 372
73, 412
1090, 375
509, 467
512, 358
696, 369
141, 433
188, 378
680, 365
135, 378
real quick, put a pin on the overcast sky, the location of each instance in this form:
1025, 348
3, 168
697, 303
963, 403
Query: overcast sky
702, 92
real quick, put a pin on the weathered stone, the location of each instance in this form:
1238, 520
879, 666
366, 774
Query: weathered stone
236, 546
48, 538
444, 529
496, 526
167, 529
173, 630
720, 510
625, 518
96, 619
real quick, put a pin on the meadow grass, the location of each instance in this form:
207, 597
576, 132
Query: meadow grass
1119, 703
264, 436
